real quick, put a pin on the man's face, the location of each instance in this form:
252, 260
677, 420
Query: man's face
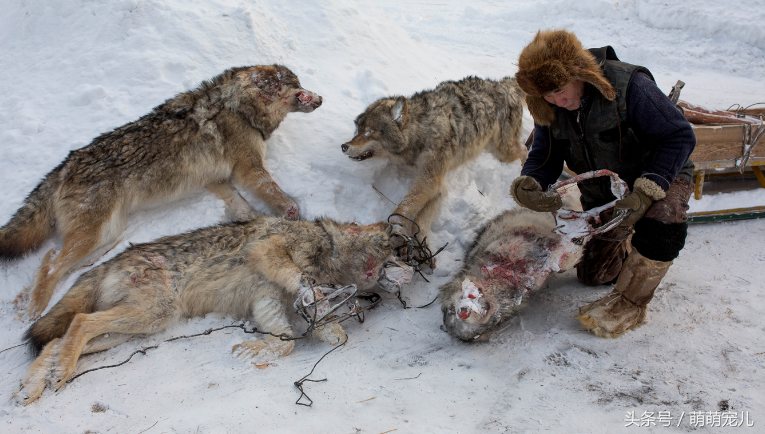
568, 97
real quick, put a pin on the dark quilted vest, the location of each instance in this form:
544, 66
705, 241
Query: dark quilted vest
608, 141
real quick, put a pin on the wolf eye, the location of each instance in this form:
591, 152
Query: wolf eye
303, 97
369, 133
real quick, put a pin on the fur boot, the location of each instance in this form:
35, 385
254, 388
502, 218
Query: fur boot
625, 307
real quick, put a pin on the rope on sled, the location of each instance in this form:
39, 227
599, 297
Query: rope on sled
740, 110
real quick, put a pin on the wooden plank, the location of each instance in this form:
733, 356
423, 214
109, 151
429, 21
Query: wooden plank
698, 184
717, 151
717, 164
760, 177
719, 133
759, 149
727, 214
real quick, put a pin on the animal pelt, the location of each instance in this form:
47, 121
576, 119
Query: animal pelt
205, 138
242, 269
436, 131
513, 254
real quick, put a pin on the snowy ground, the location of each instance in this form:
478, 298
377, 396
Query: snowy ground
74, 69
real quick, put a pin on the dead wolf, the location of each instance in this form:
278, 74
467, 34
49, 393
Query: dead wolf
436, 131
244, 269
207, 137
514, 253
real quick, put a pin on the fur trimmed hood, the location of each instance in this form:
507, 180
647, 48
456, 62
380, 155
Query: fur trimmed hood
549, 62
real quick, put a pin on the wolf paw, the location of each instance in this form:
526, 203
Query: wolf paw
429, 267
241, 214
21, 299
30, 313
58, 376
293, 213
331, 333
29, 392
267, 349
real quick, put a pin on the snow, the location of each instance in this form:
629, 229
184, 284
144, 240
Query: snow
75, 69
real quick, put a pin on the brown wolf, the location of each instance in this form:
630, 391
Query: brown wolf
206, 137
436, 131
244, 269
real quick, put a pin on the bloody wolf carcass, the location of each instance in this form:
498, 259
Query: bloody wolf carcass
515, 253
205, 138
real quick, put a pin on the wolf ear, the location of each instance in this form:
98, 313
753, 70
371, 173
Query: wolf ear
400, 111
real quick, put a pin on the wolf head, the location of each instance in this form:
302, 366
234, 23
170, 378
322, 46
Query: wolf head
274, 88
264, 95
469, 314
380, 130
359, 252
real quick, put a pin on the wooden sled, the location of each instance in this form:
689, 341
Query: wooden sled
727, 141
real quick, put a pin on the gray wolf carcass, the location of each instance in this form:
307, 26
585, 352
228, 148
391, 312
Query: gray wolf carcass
436, 131
204, 138
250, 270
515, 253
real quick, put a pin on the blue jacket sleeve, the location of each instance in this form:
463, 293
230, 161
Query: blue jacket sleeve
545, 161
655, 120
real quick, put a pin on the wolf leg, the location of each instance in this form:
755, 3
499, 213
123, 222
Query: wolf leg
237, 209
254, 177
273, 260
426, 187
105, 341
77, 245
508, 146
271, 316
149, 308
37, 374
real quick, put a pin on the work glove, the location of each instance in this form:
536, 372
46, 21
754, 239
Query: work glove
643, 195
528, 193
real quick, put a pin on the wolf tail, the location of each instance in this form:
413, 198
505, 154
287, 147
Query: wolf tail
79, 299
32, 224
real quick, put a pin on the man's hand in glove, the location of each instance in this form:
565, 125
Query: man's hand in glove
643, 195
528, 193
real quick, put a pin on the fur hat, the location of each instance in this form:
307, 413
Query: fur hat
549, 62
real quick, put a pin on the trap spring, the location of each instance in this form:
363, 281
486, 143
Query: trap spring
319, 304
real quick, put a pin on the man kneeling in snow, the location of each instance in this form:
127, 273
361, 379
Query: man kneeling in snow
594, 112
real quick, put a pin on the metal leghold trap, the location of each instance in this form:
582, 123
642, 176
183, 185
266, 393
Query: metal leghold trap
580, 226
318, 304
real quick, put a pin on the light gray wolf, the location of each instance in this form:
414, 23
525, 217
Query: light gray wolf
243, 269
205, 138
436, 131
513, 254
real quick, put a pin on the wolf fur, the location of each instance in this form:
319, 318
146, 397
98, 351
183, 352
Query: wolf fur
514, 253
436, 131
243, 269
207, 137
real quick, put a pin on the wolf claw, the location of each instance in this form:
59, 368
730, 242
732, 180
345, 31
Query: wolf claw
331, 333
264, 350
